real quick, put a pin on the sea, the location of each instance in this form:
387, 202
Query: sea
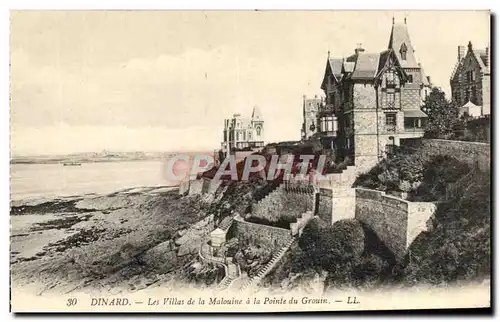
30, 181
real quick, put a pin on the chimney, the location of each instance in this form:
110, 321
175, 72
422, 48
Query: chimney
461, 53
359, 49
429, 80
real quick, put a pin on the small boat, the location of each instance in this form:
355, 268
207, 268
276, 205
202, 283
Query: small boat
71, 164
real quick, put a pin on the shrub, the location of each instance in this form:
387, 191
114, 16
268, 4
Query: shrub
459, 245
331, 247
369, 271
424, 177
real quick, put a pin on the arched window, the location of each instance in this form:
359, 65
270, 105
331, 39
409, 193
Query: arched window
258, 130
403, 51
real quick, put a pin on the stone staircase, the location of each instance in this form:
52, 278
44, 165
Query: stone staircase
231, 270
226, 223
269, 266
232, 274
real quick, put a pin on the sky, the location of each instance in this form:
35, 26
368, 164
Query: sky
86, 81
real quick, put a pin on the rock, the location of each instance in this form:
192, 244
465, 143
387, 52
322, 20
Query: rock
181, 233
202, 223
196, 265
190, 246
202, 227
159, 257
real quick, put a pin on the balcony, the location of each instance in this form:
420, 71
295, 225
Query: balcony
328, 126
390, 128
390, 83
327, 109
414, 129
390, 105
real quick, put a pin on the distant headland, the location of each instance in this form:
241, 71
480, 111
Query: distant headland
92, 157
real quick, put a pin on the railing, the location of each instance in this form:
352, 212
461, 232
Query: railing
328, 108
390, 128
390, 105
414, 129
269, 266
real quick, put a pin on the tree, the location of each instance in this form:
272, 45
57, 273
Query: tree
333, 246
442, 115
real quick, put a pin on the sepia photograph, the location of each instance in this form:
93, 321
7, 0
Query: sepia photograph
250, 161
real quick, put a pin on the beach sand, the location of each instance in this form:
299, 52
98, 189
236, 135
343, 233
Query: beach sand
121, 242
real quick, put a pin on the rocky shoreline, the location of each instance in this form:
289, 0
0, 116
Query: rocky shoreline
121, 242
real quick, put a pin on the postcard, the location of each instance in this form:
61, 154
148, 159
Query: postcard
250, 161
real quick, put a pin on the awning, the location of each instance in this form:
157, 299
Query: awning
414, 113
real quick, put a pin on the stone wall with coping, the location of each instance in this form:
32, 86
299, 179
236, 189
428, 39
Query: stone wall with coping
325, 205
419, 214
256, 234
397, 222
343, 203
472, 153
336, 197
288, 199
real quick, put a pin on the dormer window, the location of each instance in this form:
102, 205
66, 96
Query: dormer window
390, 78
403, 51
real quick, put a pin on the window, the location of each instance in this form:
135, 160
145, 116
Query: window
467, 95
331, 98
390, 119
391, 100
471, 76
410, 78
390, 78
403, 51
473, 96
258, 130
249, 136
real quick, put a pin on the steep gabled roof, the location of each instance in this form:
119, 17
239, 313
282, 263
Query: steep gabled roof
366, 66
400, 38
387, 60
423, 77
336, 66
480, 55
256, 114
333, 66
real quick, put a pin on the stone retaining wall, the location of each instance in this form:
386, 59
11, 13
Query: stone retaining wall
289, 200
256, 234
473, 153
397, 222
